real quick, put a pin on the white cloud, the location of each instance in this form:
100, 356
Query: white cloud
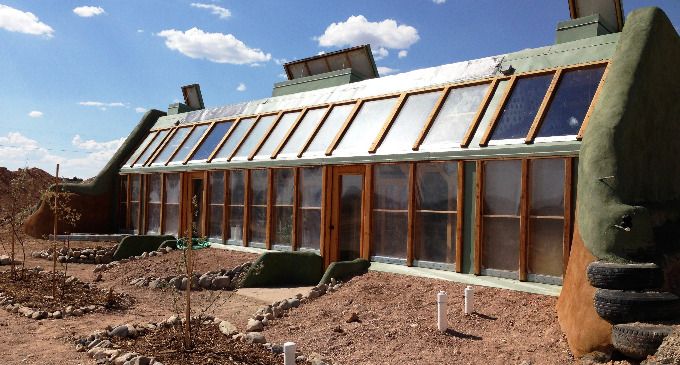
403, 53
139, 109
280, 61
35, 114
221, 12
140, 30
215, 47
88, 11
380, 53
283, 76
438, 1
241, 87
384, 71
358, 30
102, 105
15, 20
85, 159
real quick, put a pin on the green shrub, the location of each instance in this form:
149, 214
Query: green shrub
284, 268
136, 245
345, 270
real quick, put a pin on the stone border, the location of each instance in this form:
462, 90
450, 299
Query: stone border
89, 255
112, 264
223, 279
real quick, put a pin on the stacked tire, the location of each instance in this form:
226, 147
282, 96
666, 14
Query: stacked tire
630, 298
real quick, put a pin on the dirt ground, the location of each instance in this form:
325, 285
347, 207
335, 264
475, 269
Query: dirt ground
397, 318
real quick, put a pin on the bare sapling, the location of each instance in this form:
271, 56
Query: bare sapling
13, 214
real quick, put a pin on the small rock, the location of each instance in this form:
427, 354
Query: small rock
5, 260
354, 317
313, 294
205, 281
227, 328
77, 312
294, 302
265, 322
277, 349
221, 283
98, 278
255, 337
80, 348
254, 325
120, 331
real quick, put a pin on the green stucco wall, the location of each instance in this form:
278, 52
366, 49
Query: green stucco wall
630, 156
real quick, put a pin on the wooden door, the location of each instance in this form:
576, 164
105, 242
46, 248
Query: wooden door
347, 223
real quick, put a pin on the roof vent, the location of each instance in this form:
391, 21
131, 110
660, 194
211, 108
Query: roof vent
329, 69
590, 18
193, 100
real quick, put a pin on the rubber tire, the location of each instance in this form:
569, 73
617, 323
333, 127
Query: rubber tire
618, 306
609, 275
639, 340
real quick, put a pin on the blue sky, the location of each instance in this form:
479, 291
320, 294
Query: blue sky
77, 76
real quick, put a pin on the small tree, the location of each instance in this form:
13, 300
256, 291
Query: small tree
14, 213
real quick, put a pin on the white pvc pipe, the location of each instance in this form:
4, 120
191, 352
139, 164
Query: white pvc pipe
442, 324
289, 353
469, 303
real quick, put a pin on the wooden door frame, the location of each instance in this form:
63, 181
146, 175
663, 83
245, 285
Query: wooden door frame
185, 204
331, 250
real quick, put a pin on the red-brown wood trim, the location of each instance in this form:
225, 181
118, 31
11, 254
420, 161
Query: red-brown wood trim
145, 147
543, 108
270, 209
161, 228
367, 213
411, 217
344, 128
568, 211
586, 119
470, 133
431, 118
265, 136
326, 214
199, 142
388, 123
315, 131
494, 120
289, 133
294, 244
246, 208
479, 223
524, 221
245, 136
180, 145
460, 216
160, 146
225, 206
223, 140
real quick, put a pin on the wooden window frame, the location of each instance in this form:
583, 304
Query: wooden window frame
160, 146
247, 134
289, 133
316, 129
156, 133
199, 142
224, 138
180, 145
593, 102
266, 135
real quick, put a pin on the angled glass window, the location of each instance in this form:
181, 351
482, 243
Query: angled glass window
233, 140
152, 147
210, 142
171, 209
189, 144
153, 204
455, 117
254, 137
570, 104
258, 207
302, 133
140, 148
309, 211
409, 122
282, 211
236, 204
365, 127
277, 135
390, 210
216, 221
520, 109
328, 130
171, 145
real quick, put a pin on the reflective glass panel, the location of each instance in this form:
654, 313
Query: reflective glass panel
349, 237
455, 116
140, 148
170, 147
328, 130
390, 210
284, 185
216, 204
171, 209
520, 109
408, 124
190, 143
135, 201
211, 141
255, 136
258, 205
365, 127
302, 132
571, 102
152, 147
235, 137
545, 247
547, 187
500, 246
277, 135
236, 202
310, 207
502, 187
154, 204
236, 187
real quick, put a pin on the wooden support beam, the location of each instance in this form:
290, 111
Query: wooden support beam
411, 225
160, 146
344, 128
246, 209
543, 108
244, 138
470, 133
289, 133
367, 213
326, 213
199, 143
524, 222
128, 223
479, 219
265, 136
161, 228
460, 216
180, 145
494, 120
315, 131
586, 119
269, 226
388, 123
294, 244
205, 217
568, 211
145, 147
224, 139
225, 207
431, 118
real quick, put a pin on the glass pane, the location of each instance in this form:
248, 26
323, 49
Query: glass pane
328, 130
152, 147
122, 206
235, 223
134, 217
211, 141
277, 135
520, 109
258, 187
500, 248
190, 143
235, 137
236, 187
302, 132
153, 217
258, 223
216, 187
571, 101
455, 117
502, 187
140, 148
389, 232
197, 208
172, 188
284, 185
171, 209
390, 186
170, 147
349, 235
365, 127
216, 216
154, 181
406, 128
310, 228
254, 137
545, 247
435, 237
171, 221
547, 187
135, 187
283, 225
310, 187
436, 194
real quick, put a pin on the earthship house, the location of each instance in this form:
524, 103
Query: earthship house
528, 165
